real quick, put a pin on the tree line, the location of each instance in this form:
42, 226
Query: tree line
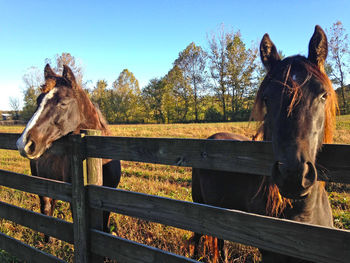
213, 84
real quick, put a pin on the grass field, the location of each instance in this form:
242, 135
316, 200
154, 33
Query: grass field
161, 180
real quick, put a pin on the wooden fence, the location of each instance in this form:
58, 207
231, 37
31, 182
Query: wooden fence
305, 241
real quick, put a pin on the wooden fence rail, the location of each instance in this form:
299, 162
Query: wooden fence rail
304, 241
247, 157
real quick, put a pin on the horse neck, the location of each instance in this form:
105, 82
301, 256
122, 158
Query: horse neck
89, 116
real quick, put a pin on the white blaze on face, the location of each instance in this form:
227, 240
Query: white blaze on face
22, 141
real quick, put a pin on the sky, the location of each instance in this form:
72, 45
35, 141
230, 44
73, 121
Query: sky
144, 36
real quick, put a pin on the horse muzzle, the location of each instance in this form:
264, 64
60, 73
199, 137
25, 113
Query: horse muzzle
28, 148
294, 181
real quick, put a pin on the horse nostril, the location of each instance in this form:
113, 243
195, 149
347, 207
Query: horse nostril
309, 175
30, 147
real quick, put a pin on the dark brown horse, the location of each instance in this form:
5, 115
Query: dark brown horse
296, 105
62, 108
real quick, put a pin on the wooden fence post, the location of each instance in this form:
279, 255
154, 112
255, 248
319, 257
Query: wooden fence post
94, 173
80, 226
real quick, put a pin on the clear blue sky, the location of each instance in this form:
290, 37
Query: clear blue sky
144, 36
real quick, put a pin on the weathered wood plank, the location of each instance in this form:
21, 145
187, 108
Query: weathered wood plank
26, 252
333, 161
37, 185
209, 154
305, 241
237, 156
93, 167
79, 209
39, 222
130, 252
245, 157
8, 140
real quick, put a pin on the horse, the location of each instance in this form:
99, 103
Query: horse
63, 108
296, 108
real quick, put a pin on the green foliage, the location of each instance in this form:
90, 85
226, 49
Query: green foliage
153, 100
32, 79
192, 62
240, 68
123, 102
340, 202
178, 96
213, 115
30, 96
233, 70
126, 98
101, 96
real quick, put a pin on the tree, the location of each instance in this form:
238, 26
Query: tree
102, 97
126, 98
192, 62
179, 94
234, 73
240, 69
14, 104
339, 53
218, 67
153, 99
32, 79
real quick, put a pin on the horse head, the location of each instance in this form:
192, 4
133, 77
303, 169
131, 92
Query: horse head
57, 114
297, 105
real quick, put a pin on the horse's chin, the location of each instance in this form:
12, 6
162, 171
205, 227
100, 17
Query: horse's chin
294, 196
35, 156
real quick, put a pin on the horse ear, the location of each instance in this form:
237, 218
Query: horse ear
318, 48
69, 75
48, 72
268, 53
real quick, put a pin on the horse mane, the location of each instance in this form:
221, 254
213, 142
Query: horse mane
102, 120
276, 204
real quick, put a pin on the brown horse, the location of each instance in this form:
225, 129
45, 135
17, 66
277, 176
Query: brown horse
62, 108
296, 105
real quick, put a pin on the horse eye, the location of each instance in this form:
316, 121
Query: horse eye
63, 103
324, 96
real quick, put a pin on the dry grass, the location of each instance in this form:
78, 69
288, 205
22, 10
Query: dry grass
161, 180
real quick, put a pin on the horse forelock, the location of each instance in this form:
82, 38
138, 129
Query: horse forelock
52, 82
